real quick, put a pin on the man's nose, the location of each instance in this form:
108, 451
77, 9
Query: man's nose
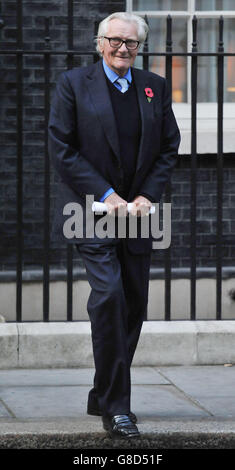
123, 47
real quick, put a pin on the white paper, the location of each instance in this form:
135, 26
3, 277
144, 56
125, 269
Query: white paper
101, 207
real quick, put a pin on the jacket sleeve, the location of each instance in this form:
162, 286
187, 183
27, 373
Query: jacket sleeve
154, 183
74, 168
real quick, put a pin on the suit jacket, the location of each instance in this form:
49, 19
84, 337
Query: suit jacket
84, 144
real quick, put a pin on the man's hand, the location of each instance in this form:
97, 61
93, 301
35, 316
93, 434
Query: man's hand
141, 206
115, 204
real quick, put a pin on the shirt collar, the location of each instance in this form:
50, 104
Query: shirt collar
112, 76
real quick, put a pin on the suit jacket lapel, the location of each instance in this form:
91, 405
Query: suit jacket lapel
99, 95
146, 110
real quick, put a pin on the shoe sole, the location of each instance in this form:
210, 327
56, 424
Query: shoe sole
115, 435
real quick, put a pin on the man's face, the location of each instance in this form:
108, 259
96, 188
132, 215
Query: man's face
119, 59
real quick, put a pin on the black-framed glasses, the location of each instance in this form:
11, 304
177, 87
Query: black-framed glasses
118, 42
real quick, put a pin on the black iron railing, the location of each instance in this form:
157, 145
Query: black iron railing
47, 53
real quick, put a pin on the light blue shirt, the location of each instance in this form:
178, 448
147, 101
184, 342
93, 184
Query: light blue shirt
112, 76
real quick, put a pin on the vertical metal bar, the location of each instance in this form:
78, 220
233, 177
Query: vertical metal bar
96, 26
219, 235
169, 49
19, 190
167, 253
193, 167
146, 50
46, 247
70, 247
70, 34
191, 11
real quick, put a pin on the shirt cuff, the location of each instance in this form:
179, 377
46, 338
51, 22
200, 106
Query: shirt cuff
106, 194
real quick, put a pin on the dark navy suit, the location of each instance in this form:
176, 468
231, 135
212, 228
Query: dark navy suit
85, 149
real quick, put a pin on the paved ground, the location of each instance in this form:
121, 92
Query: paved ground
177, 407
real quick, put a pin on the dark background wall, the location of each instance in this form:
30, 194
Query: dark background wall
85, 15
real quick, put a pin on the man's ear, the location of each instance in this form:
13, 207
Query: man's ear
101, 47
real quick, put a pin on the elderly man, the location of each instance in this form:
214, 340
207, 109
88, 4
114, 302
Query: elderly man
113, 135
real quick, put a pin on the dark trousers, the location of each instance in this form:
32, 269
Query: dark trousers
116, 306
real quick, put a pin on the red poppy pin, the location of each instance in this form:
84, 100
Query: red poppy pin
149, 94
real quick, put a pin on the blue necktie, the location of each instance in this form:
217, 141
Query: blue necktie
124, 84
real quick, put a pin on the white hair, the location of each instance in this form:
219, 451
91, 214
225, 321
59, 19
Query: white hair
142, 27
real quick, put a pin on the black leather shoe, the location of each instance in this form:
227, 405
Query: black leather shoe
120, 426
93, 409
